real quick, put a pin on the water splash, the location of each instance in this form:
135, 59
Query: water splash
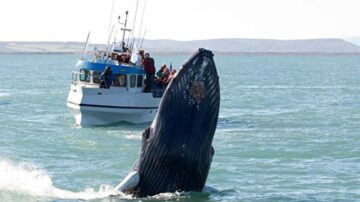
26, 179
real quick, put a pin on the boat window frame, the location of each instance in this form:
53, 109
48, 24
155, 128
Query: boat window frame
141, 79
117, 80
94, 76
87, 75
134, 82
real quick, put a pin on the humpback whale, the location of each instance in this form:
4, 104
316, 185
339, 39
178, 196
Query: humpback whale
176, 150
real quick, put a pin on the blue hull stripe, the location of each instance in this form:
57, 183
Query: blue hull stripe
108, 106
116, 69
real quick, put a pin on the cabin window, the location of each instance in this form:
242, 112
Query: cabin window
132, 81
96, 77
119, 80
84, 75
139, 81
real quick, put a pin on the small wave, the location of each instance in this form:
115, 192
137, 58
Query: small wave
187, 195
133, 137
5, 94
26, 179
323, 87
4, 103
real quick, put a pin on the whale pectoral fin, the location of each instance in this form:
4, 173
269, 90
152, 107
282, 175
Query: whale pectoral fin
130, 181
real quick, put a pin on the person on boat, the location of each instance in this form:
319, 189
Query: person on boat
171, 75
106, 78
127, 58
142, 53
165, 73
120, 47
162, 76
159, 76
160, 72
113, 56
140, 58
149, 67
124, 48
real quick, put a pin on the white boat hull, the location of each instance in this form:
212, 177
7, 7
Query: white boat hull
87, 116
94, 106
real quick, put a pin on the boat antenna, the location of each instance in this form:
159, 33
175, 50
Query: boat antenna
133, 28
124, 29
85, 47
142, 20
110, 30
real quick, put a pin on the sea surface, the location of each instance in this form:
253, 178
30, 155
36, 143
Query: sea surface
289, 130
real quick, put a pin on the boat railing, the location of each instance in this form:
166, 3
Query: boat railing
74, 78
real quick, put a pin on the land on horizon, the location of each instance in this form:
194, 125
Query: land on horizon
226, 46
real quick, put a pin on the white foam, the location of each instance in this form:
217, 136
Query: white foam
26, 179
133, 137
167, 196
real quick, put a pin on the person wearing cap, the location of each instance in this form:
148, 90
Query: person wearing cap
149, 67
159, 73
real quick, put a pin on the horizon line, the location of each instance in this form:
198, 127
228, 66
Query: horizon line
168, 39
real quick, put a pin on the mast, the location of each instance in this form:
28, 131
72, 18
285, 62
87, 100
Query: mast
124, 29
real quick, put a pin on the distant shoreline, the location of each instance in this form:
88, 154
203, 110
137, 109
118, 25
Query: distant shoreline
236, 46
189, 52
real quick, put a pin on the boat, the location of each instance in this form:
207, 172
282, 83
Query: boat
124, 101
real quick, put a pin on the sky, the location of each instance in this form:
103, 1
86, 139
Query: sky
71, 20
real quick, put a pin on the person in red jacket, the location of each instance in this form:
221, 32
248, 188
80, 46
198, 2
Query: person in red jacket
149, 67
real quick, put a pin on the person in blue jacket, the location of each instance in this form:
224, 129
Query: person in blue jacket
106, 78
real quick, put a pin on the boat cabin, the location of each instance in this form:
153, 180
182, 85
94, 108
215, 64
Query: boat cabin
125, 76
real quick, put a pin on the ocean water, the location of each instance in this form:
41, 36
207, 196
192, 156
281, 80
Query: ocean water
288, 131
